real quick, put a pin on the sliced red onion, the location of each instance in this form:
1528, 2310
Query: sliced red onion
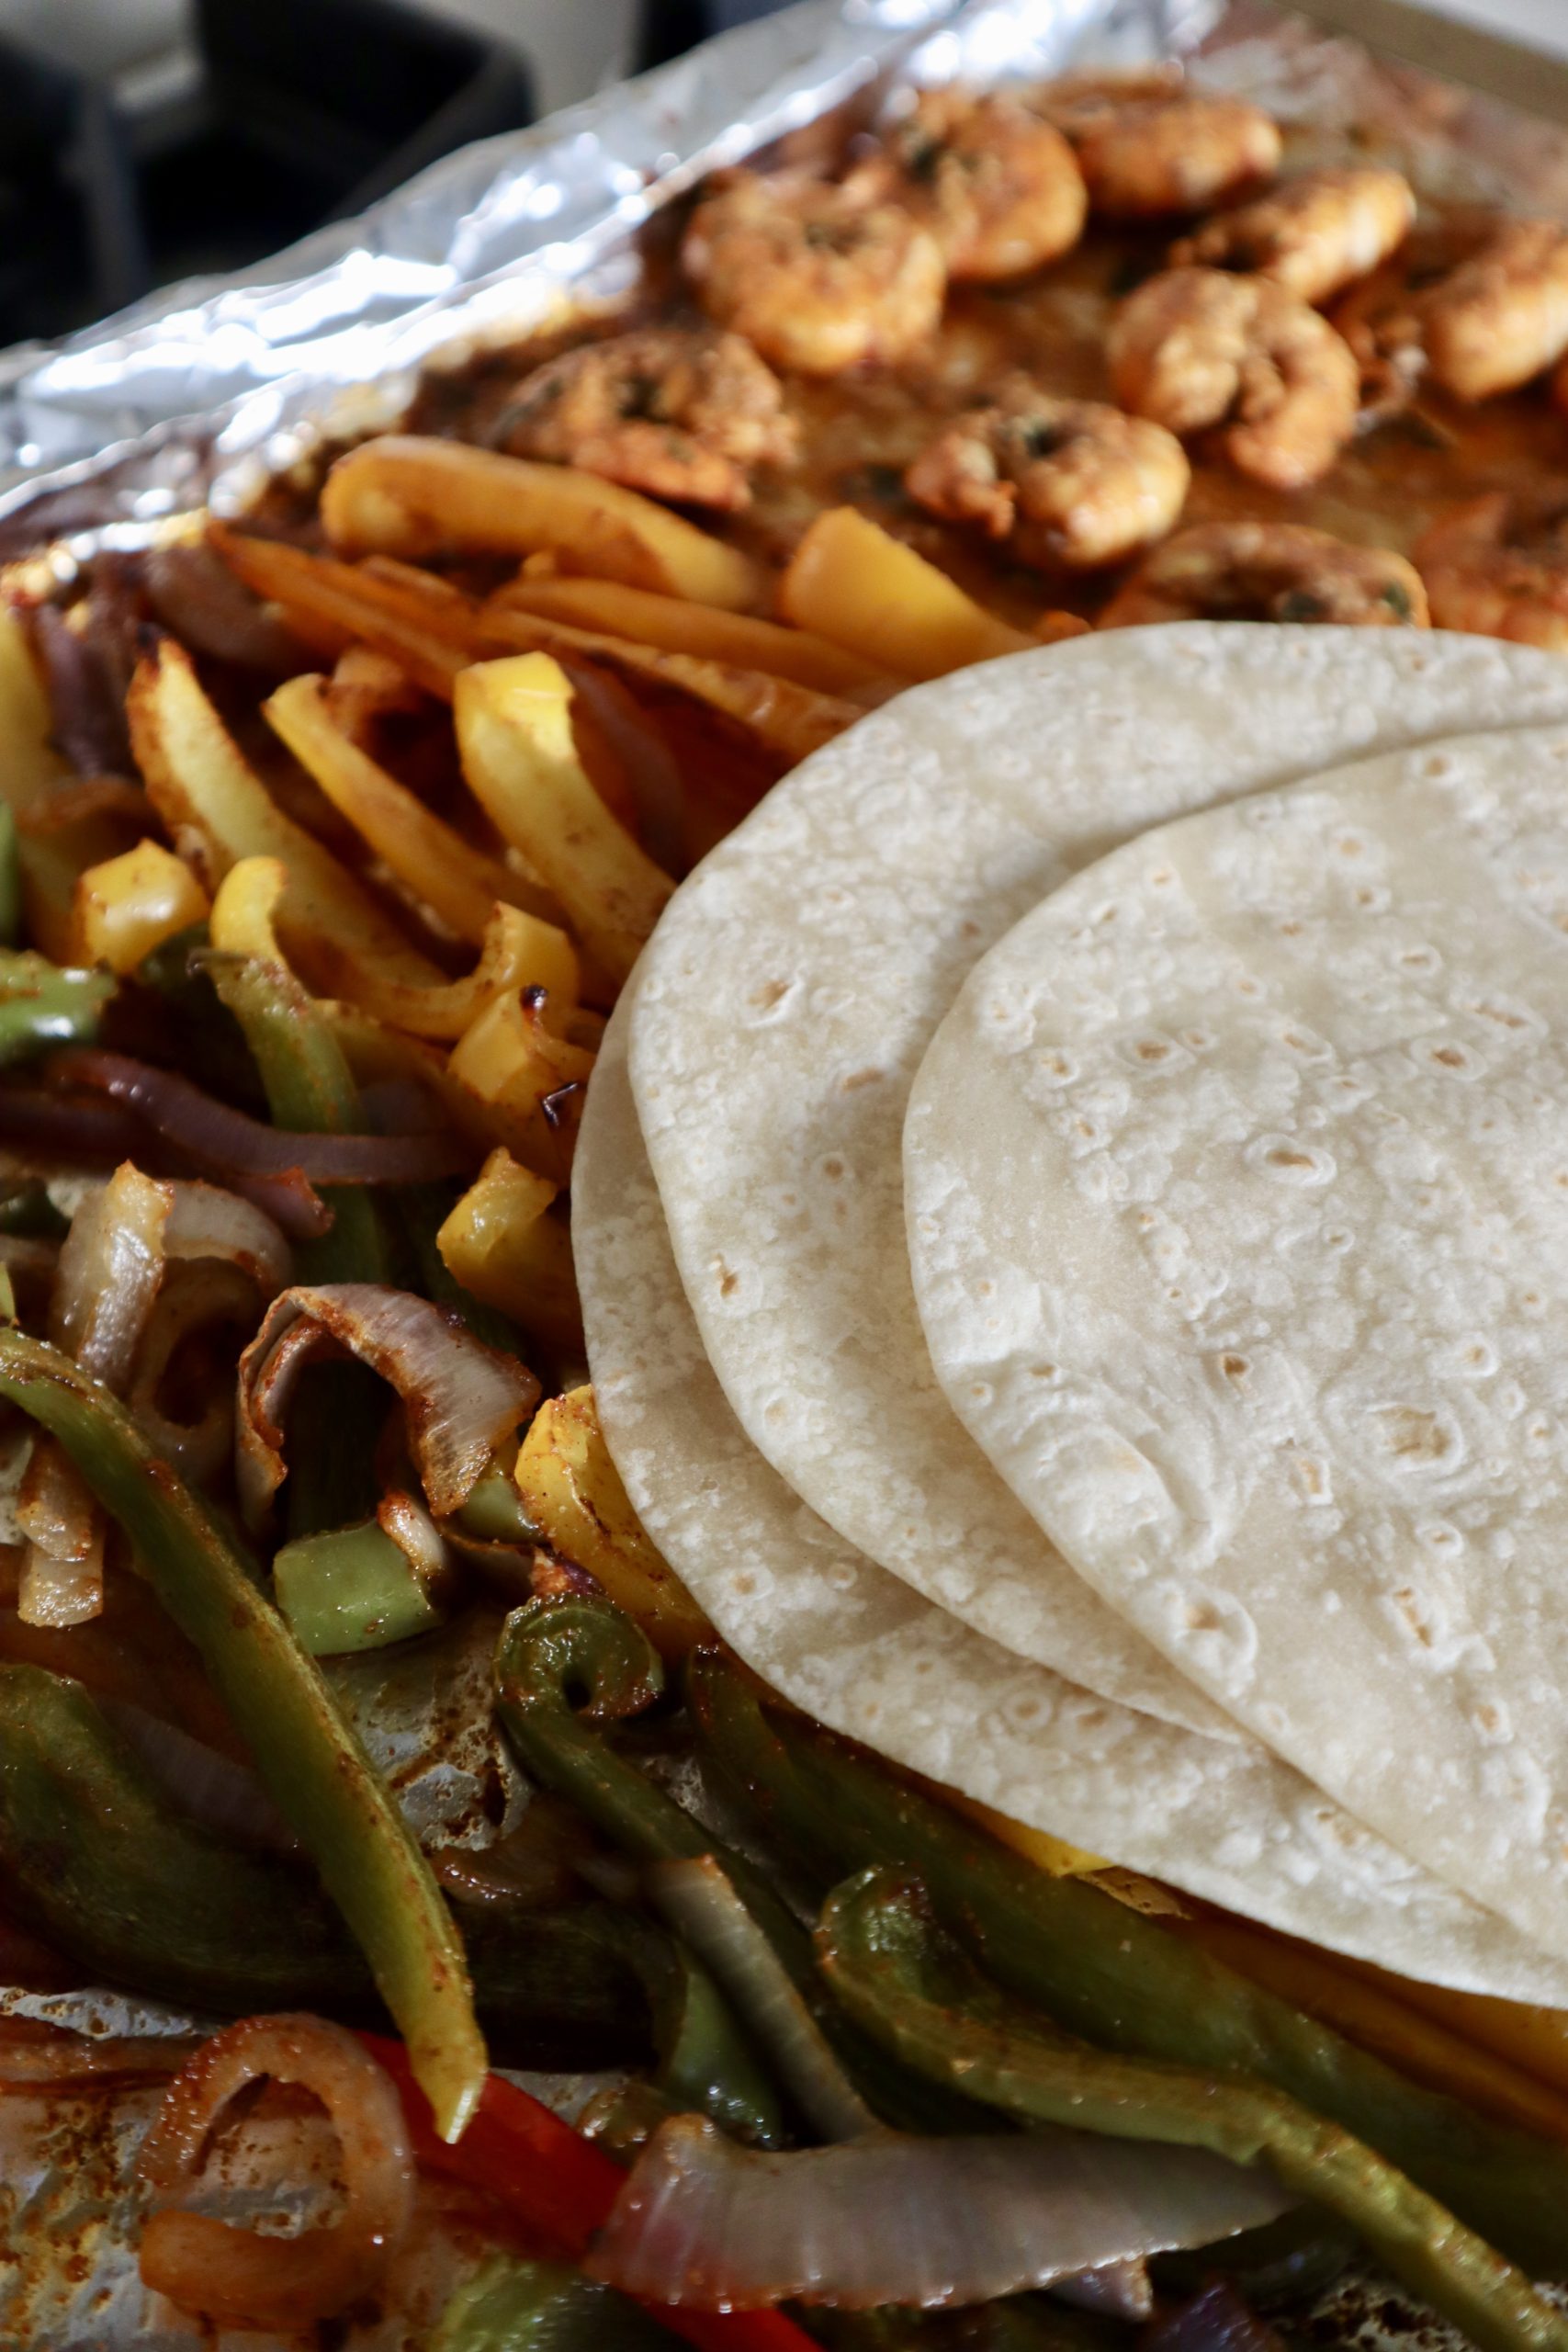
227, 1141
1122, 2290
460, 1398
1215, 2320
215, 1791
703, 1908
705, 2223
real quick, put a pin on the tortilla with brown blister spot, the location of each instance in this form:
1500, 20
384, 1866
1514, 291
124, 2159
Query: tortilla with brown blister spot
863, 1654
1257, 1295
792, 987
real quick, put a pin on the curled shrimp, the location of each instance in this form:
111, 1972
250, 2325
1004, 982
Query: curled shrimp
999, 189
1197, 348
677, 411
1312, 235
1269, 572
1497, 566
1501, 317
817, 277
1146, 150
1073, 482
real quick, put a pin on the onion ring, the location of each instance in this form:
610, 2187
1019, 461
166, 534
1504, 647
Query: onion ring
233, 2275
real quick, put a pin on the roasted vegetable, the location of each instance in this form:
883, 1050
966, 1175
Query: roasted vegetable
1118, 1979
311, 1763
911, 1987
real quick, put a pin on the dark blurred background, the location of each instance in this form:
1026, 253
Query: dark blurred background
142, 141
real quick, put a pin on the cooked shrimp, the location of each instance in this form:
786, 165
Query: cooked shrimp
1144, 153
1000, 190
1501, 317
1068, 481
1497, 566
817, 277
1269, 572
680, 413
1314, 234
1197, 348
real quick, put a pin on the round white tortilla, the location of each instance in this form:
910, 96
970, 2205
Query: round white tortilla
1255, 1288
792, 986
865, 1654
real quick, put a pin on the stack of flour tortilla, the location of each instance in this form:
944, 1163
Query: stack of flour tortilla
1072, 1216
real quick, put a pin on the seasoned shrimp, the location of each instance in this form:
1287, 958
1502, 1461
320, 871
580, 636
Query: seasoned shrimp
1068, 481
1313, 235
1502, 316
1000, 190
817, 277
1145, 153
1197, 348
1269, 572
1497, 566
677, 411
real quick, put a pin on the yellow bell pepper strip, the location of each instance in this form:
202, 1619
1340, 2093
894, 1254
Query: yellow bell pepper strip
499, 1245
514, 735
852, 582
1108, 1974
404, 494
570, 1489
530, 1079
908, 1986
677, 626
125, 906
312, 1765
463, 884
198, 782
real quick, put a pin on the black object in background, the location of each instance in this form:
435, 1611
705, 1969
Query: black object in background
304, 111
668, 26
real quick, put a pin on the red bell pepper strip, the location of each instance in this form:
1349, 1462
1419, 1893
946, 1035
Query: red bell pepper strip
560, 2187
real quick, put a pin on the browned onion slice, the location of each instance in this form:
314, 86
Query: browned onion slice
233, 2275
460, 1398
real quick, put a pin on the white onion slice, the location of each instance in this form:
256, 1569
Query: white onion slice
460, 1398
205, 1221
111, 1263
704, 2223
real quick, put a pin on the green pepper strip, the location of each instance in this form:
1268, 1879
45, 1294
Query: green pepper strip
908, 1984
515, 2305
313, 1766
41, 1005
310, 1091
1108, 1974
351, 1588
125, 1884
554, 1651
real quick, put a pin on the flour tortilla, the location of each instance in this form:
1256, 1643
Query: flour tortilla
865, 1654
791, 989
1257, 1292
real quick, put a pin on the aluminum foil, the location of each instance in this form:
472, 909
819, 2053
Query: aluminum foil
204, 389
